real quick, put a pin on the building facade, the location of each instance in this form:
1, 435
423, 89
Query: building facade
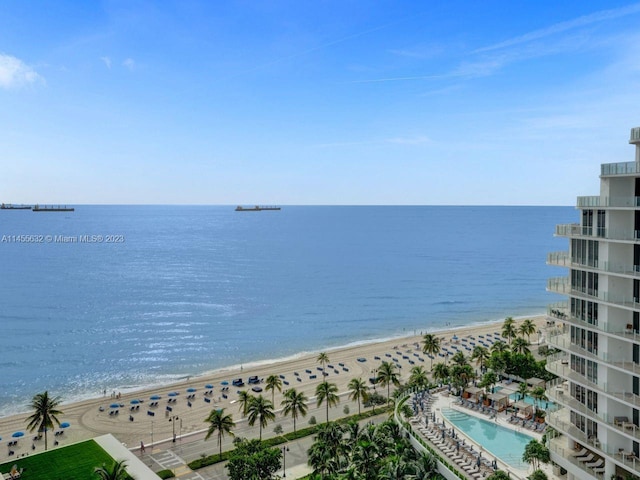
596, 332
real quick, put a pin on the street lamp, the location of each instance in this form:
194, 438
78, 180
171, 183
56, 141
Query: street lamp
284, 461
173, 419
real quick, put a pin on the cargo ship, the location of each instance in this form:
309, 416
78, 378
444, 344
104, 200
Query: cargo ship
9, 206
58, 208
257, 208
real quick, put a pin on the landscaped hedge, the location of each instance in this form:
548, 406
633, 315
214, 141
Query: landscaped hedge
165, 474
287, 437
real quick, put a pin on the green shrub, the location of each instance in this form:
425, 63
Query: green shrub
165, 474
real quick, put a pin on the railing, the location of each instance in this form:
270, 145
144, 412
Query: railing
562, 285
621, 168
563, 259
597, 201
577, 230
565, 455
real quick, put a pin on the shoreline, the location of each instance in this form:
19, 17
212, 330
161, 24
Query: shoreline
177, 378
90, 417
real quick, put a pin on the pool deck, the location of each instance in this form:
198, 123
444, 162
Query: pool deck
443, 400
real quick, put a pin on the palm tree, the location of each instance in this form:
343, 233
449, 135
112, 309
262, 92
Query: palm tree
116, 472
480, 354
520, 345
431, 346
523, 389
327, 392
244, 399
322, 359
260, 409
535, 453
273, 382
539, 395
294, 404
45, 414
388, 375
459, 359
499, 347
508, 329
418, 376
221, 423
461, 375
359, 391
441, 372
527, 328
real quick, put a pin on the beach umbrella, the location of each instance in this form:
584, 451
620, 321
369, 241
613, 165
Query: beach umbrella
134, 402
173, 394
65, 425
208, 385
114, 405
191, 390
18, 434
155, 397
224, 382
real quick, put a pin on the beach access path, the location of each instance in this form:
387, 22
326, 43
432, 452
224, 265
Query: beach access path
92, 418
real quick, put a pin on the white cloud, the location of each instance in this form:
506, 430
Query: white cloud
129, 63
14, 73
107, 62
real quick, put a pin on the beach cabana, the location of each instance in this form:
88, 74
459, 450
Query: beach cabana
524, 409
472, 394
534, 382
499, 401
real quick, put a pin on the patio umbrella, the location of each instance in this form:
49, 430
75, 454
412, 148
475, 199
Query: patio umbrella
191, 390
155, 397
65, 425
18, 434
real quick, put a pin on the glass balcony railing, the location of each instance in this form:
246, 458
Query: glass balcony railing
621, 168
563, 259
562, 285
577, 230
599, 202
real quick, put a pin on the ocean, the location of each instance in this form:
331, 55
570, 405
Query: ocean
120, 297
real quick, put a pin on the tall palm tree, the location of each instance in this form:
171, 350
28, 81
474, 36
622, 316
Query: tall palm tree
431, 346
272, 383
509, 329
499, 347
294, 404
418, 376
359, 391
480, 354
539, 395
220, 423
441, 372
520, 345
45, 414
527, 328
523, 389
117, 471
461, 375
388, 375
260, 409
327, 393
322, 359
244, 399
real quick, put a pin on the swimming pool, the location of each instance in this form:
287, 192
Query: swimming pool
508, 445
545, 405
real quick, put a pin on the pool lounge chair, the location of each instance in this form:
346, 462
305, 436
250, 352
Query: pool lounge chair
597, 464
586, 459
581, 453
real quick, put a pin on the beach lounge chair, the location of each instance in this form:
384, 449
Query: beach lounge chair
581, 453
597, 464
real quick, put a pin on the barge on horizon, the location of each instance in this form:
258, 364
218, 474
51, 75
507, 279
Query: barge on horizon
257, 208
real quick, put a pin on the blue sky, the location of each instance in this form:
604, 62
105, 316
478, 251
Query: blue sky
326, 102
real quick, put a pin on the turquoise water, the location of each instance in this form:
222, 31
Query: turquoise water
549, 406
508, 445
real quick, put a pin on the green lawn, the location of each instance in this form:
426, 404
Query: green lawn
75, 462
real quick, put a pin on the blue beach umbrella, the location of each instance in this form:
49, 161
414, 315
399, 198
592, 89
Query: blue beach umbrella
114, 405
224, 382
18, 434
191, 390
134, 402
208, 385
155, 397
65, 425
173, 394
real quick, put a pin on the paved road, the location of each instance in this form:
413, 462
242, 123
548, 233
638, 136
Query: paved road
175, 456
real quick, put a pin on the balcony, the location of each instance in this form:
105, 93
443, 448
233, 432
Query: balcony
575, 230
562, 397
563, 457
562, 285
603, 202
563, 259
619, 169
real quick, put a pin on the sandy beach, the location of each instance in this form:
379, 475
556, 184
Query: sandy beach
134, 423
